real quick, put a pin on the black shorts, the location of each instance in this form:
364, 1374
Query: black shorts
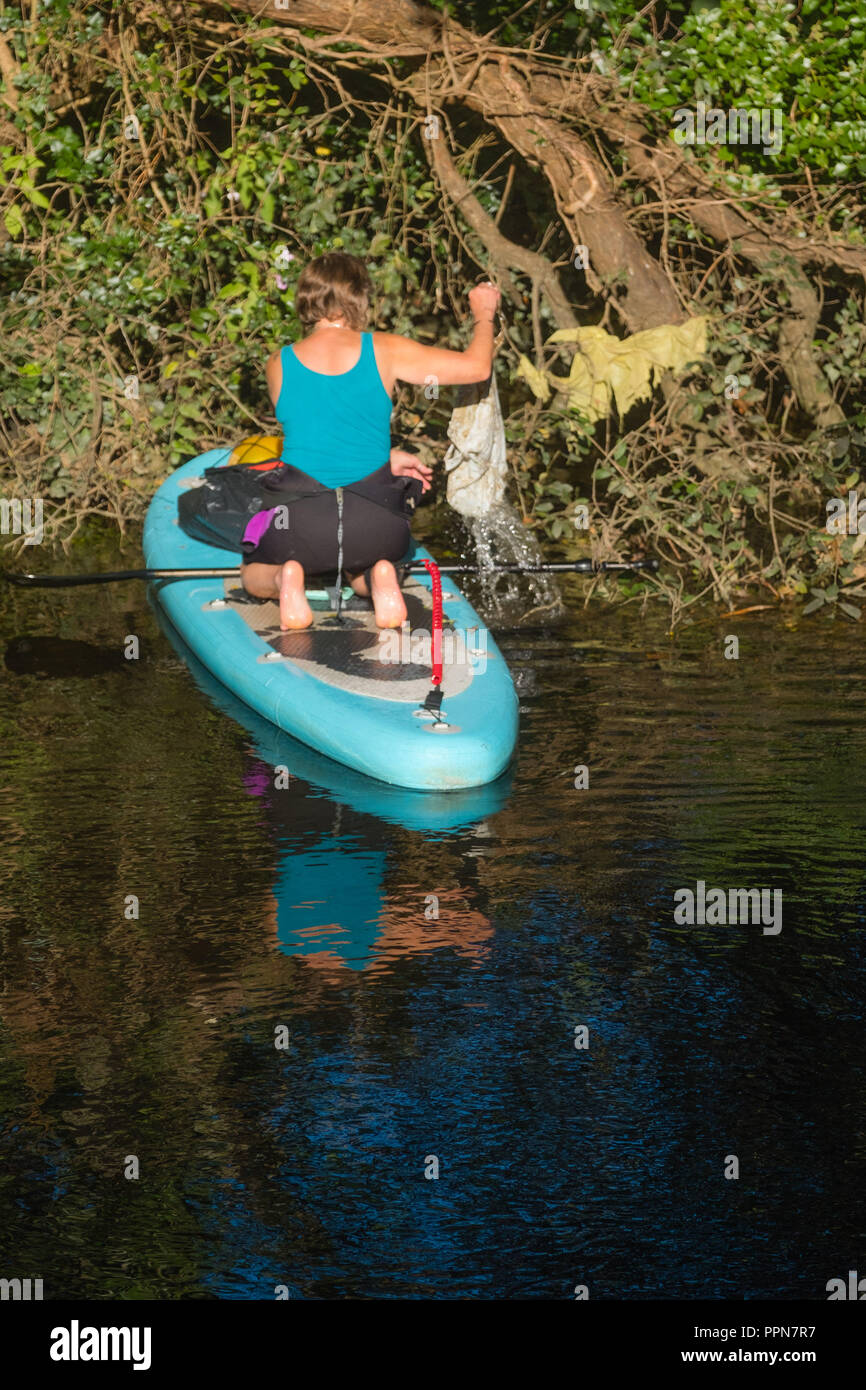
303, 526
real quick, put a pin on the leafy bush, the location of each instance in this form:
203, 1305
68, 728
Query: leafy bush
161, 186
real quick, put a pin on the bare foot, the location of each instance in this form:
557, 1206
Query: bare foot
295, 612
387, 598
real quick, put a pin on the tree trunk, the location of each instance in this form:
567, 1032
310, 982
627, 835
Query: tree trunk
534, 102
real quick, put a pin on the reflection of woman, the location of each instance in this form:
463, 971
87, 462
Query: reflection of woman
329, 901
332, 396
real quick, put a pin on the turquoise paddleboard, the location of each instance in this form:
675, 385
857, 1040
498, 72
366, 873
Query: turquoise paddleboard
344, 689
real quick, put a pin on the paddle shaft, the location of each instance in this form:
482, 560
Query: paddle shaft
567, 567
68, 581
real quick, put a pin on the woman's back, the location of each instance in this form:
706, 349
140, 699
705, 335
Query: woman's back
332, 390
332, 406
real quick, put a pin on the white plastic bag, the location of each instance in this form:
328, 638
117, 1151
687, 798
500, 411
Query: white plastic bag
475, 460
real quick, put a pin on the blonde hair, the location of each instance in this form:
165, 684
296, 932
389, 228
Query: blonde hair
335, 285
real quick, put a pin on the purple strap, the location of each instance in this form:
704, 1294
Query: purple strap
257, 526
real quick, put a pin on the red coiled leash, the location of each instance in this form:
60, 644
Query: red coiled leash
433, 571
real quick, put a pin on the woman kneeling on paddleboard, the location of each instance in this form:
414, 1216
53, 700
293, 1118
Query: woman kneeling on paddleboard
337, 504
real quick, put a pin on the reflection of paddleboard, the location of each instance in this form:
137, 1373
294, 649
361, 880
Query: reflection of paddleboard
415, 810
328, 685
327, 826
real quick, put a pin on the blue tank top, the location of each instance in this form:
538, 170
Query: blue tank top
336, 428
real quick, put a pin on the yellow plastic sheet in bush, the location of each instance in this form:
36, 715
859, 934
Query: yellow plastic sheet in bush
606, 369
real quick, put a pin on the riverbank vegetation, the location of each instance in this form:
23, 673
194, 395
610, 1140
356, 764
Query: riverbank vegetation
166, 169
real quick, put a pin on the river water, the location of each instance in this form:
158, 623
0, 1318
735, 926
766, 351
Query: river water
301, 1034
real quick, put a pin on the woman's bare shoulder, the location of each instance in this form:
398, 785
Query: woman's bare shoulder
394, 348
274, 374
388, 340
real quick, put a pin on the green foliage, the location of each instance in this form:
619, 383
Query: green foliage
808, 65
154, 232
807, 59
152, 253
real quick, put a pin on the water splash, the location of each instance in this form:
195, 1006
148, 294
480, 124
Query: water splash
500, 538
477, 467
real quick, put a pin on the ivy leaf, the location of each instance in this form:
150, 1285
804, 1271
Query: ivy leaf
13, 220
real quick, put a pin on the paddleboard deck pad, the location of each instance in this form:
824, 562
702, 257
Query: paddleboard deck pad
343, 686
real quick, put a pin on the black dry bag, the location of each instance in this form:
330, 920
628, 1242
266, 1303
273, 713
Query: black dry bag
219, 510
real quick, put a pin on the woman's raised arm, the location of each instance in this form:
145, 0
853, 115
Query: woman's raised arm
415, 363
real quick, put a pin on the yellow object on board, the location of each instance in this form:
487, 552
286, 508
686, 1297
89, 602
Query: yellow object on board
606, 369
257, 449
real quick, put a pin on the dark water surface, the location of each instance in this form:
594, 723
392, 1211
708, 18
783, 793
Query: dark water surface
412, 1037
